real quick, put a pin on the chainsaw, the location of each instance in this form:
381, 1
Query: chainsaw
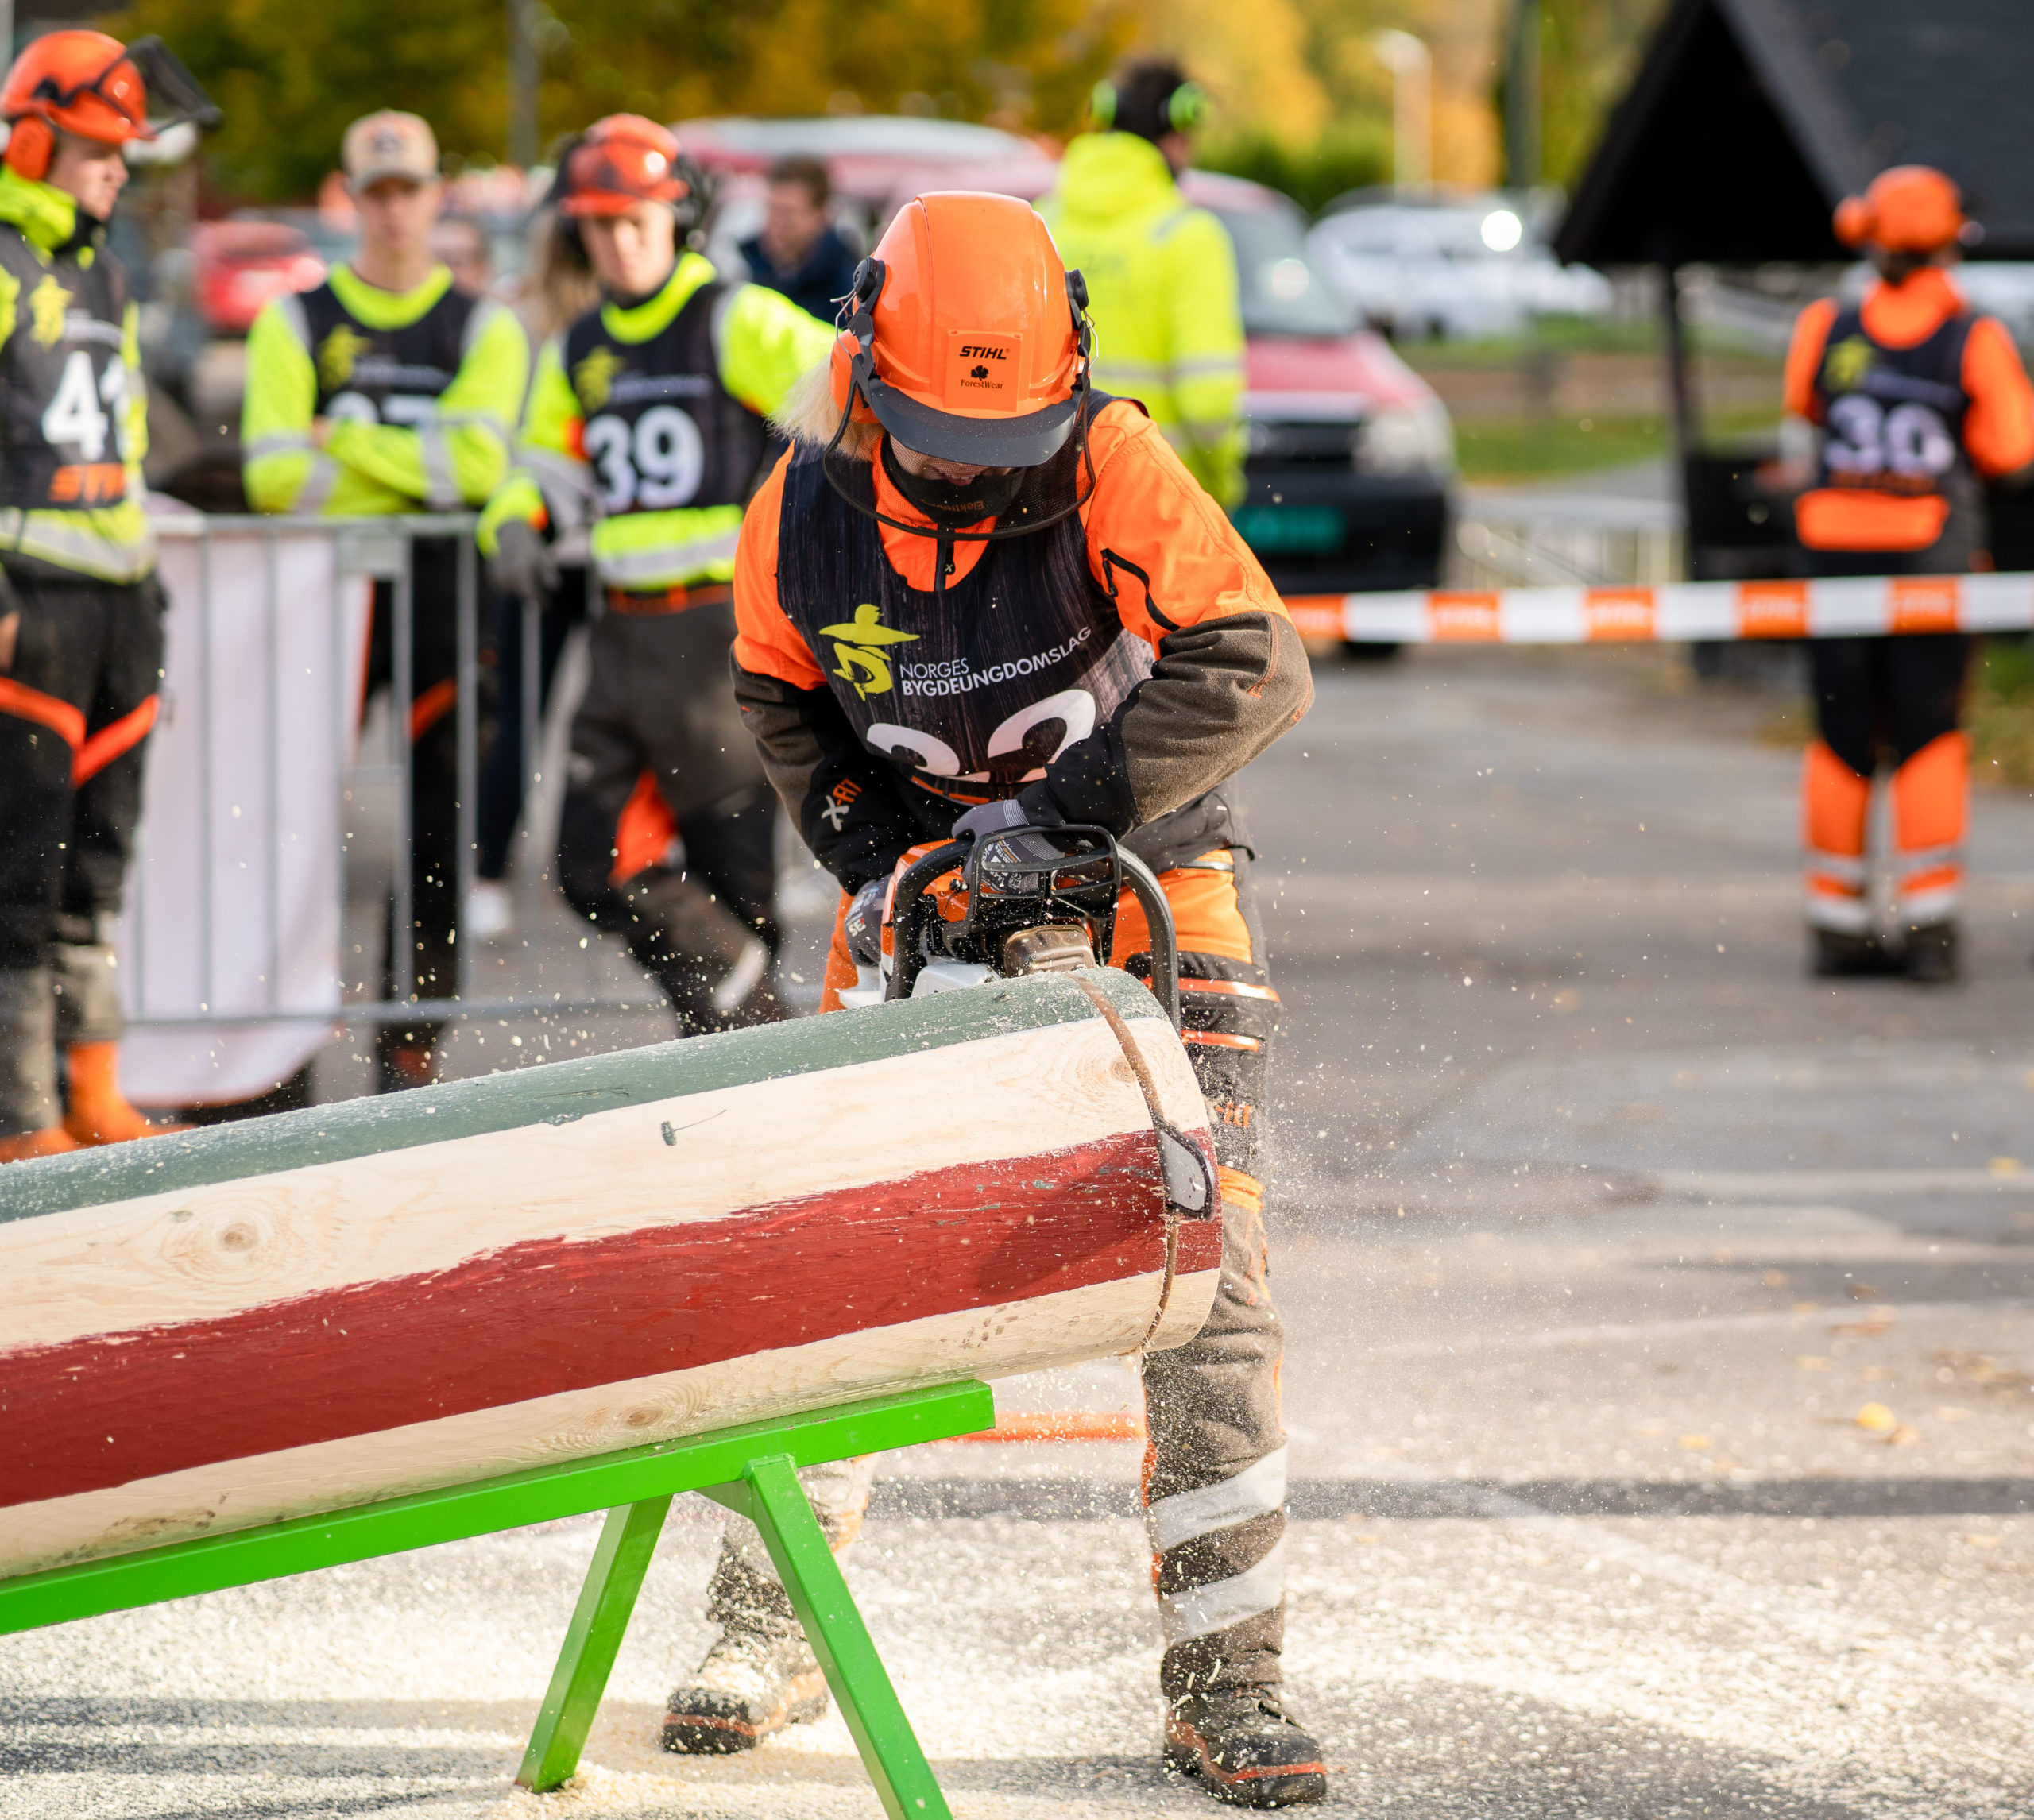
964, 913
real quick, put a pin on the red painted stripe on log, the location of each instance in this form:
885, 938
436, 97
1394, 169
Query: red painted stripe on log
549, 1316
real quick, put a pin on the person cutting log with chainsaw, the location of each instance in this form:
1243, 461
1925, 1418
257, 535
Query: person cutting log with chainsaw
978, 595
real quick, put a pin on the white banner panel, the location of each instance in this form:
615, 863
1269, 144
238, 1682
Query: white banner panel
233, 901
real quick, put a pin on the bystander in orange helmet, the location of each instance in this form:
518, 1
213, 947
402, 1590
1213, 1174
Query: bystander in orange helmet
620, 161
94, 86
1911, 209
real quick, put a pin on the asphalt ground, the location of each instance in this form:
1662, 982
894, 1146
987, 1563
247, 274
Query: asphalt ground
1661, 1330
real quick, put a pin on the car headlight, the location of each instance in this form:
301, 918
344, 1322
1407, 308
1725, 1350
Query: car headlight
1406, 439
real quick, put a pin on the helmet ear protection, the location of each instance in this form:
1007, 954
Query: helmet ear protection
30, 147
1186, 107
1084, 326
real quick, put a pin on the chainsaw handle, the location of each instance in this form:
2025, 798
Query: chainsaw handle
908, 909
1150, 897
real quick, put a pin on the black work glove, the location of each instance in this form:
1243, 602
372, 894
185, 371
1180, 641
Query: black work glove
864, 924
993, 817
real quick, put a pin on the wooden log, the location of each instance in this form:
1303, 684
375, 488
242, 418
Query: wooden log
331, 1306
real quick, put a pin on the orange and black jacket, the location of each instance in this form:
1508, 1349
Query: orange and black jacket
1918, 399
1115, 668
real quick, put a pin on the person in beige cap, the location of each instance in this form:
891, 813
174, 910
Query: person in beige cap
388, 389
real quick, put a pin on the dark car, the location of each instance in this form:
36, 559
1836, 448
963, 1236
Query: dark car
1349, 450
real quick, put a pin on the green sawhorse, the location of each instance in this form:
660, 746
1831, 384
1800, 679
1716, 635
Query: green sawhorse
751, 1469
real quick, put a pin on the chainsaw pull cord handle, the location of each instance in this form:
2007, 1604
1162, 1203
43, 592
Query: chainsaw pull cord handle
1150, 897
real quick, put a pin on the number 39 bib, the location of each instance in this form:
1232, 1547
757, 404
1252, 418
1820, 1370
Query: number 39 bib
661, 431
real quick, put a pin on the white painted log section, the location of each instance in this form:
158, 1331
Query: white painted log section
969, 1207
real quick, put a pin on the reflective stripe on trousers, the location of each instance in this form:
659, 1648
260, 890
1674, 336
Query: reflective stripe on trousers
1928, 794
1214, 1473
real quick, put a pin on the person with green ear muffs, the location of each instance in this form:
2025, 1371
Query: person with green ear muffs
1162, 274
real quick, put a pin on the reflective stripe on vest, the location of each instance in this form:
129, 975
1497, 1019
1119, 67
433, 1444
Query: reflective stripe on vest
667, 549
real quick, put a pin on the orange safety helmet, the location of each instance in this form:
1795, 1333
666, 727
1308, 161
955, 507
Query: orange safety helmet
620, 161
79, 82
969, 340
1911, 208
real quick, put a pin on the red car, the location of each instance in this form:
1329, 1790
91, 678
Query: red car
242, 263
1351, 453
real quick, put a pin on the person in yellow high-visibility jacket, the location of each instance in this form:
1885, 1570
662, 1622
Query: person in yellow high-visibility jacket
384, 391
1160, 273
645, 420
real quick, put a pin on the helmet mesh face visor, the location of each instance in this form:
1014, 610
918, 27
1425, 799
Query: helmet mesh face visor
174, 94
606, 176
1048, 490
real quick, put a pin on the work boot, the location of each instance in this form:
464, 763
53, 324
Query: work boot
489, 913
1836, 955
751, 1683
85, 983
1932, 957
98, 1112
29, 1110
1239, 1742
745, 996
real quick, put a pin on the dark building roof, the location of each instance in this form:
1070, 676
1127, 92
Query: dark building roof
1749, 120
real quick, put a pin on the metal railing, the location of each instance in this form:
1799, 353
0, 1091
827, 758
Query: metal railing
1537, 538
255, 599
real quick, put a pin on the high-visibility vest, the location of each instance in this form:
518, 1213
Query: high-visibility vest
421, 388
646, 419
1162, 293
73, 413
1894, 473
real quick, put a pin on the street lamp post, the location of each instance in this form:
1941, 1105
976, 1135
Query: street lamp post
1522, 97
522, 85
1412, 108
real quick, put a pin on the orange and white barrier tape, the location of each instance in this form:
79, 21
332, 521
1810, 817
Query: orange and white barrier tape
1868, 604
1062, 1425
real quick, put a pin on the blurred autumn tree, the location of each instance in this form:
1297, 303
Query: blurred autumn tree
1302, 101
291, 75
1589, 50
1313, 115
1304, 105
